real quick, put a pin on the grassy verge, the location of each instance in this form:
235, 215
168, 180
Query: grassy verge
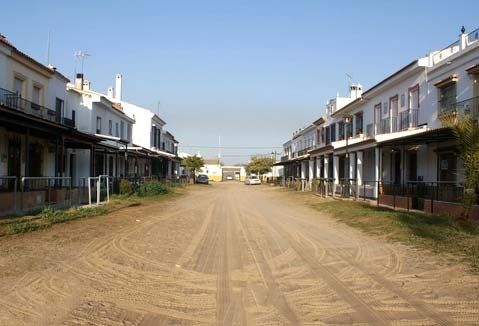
151, 191
440, 234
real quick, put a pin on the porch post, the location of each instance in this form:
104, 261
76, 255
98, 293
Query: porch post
326, 166
336, 172
311, 169
377, 169
359, 167
27, 153
318, 167
57, 163
92, 160
352, 159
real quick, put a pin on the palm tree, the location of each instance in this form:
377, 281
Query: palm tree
466, 130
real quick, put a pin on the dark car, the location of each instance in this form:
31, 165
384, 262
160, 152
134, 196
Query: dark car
203, 179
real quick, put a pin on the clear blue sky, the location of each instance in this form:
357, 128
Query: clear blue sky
252, 71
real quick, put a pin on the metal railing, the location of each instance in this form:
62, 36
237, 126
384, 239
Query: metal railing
370, 130
414, 194
446, 52
14, 101
8, 194
384, 126
394, 124
40, 192
472, 37
404, 120
469, 107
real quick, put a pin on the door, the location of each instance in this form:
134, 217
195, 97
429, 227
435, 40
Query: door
412, 166
14, 160
447, 167
110, 166
72, 168
35, 168
397, 167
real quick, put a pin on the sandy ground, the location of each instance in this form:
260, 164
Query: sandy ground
225, 254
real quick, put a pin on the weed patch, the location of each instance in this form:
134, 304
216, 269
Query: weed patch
440, 234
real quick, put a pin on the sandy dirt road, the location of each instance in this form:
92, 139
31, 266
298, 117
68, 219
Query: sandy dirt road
225, 254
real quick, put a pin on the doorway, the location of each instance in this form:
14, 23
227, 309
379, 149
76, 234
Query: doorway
14, 160
412, 166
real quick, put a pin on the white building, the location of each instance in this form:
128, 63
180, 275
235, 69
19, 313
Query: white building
149, 133
388, 142
97, 115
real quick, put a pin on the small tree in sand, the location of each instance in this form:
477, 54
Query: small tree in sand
466, 130
192, 164
259, 165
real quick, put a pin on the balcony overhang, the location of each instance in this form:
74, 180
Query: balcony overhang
473, 69
452, 79
438, 135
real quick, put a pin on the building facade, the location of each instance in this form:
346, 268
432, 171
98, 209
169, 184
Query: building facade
54, 135
388, 142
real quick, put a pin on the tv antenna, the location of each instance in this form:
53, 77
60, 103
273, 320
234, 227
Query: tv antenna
350, 78
80, 56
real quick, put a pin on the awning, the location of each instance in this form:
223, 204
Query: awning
438, 135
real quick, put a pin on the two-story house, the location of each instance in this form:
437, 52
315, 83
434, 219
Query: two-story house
389, 142
37, 129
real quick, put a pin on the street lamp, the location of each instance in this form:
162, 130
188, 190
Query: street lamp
347, 122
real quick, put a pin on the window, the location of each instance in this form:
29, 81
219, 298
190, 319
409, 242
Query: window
58, 109
98, 125
128, 132
403, 100
341, 131
378, 112
110, 127
333, 132
447, 97
117, 130
36, 94
328, 136
18, 86
122, 129
359, 123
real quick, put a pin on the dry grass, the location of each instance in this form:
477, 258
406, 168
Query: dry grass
440, 234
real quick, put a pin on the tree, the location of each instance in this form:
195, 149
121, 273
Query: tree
259, 164
466, 130
192, 164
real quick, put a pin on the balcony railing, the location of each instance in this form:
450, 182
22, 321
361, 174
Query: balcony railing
473, 37
16, 102
394, 124
370, 130
284, 158
469, 107
68, 122
446, 52
404, 120
384, 126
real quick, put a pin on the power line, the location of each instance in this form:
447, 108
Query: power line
231, 147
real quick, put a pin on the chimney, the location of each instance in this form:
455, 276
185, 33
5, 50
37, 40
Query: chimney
118, 87
355, 91
86, 85
110, 92
79, 81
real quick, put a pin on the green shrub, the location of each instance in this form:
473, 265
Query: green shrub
152, 188
53, 215
22, 227
125, 187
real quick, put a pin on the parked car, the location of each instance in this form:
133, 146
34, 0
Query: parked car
252, 180
202, 179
